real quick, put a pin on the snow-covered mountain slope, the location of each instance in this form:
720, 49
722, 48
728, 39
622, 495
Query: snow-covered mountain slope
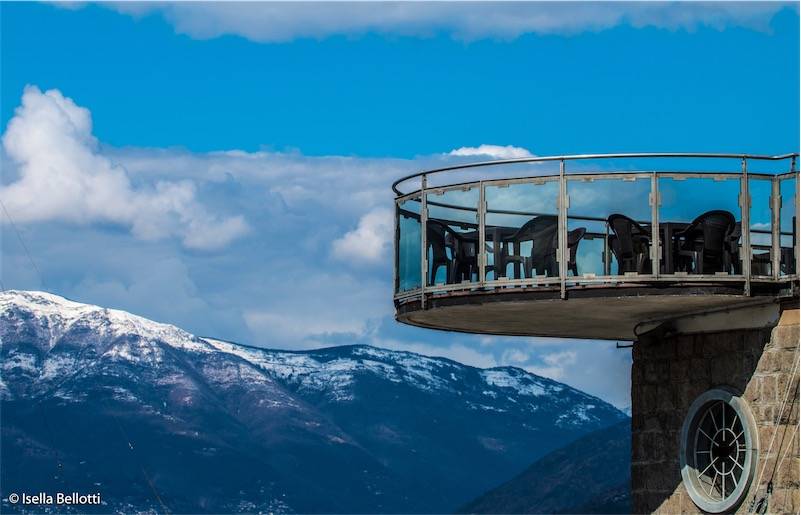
335, 372
45, 319
351, 428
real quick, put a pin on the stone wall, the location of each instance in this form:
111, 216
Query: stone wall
668, 374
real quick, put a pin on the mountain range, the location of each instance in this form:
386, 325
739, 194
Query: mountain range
157, 419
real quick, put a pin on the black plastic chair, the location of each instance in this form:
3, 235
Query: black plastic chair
462, 261
787, 263
573, 239
542, 232
704, 246
466, 262
436, 239
733, 248
630, 243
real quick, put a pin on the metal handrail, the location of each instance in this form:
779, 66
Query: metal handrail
577, 157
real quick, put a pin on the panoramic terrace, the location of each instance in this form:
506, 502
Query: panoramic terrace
616, 239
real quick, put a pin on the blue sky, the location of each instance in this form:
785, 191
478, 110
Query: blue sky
226, 167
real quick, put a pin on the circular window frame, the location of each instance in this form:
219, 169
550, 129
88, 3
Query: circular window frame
687, 453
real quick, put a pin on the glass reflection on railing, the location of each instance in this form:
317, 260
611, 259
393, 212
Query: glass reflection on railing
700, 225
408, 245
760, 190
609, 226
452, 236
788, 188
522, 230
609, 229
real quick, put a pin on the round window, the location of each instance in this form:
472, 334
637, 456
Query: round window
719, 448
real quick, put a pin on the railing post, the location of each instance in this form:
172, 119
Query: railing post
423, 240
775, 227
562, 226
481, 251
396, 247
745, 206
797, 228
656, 254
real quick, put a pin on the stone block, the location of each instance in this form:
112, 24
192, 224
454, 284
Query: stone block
765, 435
785, 337
649, 398
639, 501
752, 392
765, 413
679, 370
768, 389
664, 350
664, 395
681, 394
783, 501
787, 473
652, 423
638, 473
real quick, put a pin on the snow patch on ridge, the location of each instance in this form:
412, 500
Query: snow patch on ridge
524, 385
26, 362
336, 376
55, 316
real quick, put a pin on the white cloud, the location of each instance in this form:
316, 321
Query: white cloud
495, 151
272, 22
305, 305
285, 286
370, 241
63, 176
514, 356
555, 364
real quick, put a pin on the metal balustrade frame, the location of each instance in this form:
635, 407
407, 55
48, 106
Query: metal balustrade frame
565, 282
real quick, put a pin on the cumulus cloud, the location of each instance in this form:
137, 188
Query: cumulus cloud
309, 306
272, 22
494, 151
555, 364
514, 356
63, 176
370, 241
287, 285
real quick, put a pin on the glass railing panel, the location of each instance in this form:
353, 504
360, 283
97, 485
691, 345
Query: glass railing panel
521, 228
452, 235
788, 225
700, 225
609, 226
408, 245
759, 219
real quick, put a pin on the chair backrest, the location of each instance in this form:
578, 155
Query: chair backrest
435, 237
573, 239
733, 237
625, 229
715, 227
542, 232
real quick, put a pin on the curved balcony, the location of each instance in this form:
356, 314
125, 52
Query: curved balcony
590, 246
